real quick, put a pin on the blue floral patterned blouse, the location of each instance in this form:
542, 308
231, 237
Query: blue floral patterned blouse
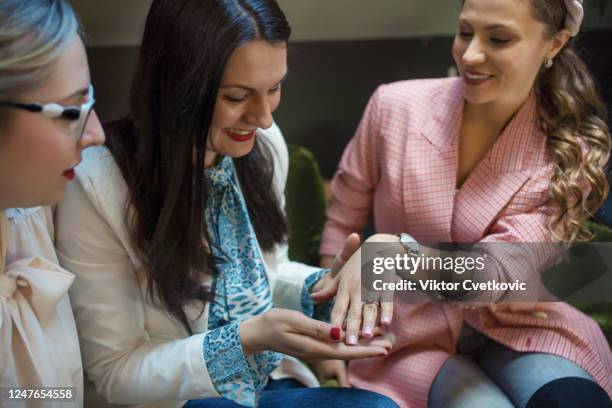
241, 290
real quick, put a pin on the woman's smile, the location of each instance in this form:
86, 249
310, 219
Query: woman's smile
240, 135
475, 78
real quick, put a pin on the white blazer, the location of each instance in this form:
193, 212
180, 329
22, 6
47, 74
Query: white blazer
134, 352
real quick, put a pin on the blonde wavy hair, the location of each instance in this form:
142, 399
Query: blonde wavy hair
574, 118
33, 34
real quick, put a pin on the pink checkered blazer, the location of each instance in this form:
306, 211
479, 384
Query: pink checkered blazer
401, 165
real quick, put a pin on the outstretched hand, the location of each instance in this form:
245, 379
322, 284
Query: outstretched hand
293, 333
361, 319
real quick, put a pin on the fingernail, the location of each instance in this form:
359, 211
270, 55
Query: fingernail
352, 339
386, 319
367, 331
383, 354
334, 333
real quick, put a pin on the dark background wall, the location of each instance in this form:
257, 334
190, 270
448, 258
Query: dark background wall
326, 91
333, 69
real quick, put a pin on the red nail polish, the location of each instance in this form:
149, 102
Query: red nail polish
334, 333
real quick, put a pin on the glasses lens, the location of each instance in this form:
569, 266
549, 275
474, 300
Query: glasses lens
83, 121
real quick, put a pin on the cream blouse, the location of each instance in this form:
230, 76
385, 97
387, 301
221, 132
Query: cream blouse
134, 352
38, 339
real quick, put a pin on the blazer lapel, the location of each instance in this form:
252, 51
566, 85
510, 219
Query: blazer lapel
501, 173
429, 173
484, 194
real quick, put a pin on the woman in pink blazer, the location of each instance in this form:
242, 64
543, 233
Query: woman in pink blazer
508, 152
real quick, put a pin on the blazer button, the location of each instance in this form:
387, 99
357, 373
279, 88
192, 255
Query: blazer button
540, 314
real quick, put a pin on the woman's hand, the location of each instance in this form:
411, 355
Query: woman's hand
291, 332
331, 370
327, 286
346, 285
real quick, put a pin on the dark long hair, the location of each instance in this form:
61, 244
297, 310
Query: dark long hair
160, 145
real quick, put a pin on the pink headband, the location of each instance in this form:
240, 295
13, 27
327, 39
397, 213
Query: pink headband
575, 14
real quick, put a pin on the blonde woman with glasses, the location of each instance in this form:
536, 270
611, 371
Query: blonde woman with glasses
46, 120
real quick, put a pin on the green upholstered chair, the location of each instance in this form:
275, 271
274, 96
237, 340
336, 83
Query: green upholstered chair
305, 206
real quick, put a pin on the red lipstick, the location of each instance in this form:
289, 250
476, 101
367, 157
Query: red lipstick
240, 137
69, 174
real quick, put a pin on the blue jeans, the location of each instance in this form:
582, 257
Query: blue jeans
288, 393
487, 374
